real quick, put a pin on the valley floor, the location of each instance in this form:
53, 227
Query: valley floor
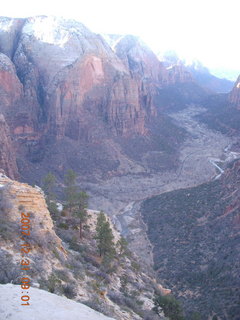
120, 197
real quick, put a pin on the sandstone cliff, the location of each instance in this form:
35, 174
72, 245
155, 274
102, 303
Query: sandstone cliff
234, 96
83, 106
82, 82
7, 152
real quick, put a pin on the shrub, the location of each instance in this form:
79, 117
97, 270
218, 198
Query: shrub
53, 209
9, 272
116, 297
70, 291
97, 304
136, 266
62, 274
63, 225
55, 252
53, 283
170, 306
150, 315
103, 276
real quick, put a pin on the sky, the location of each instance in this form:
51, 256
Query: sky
206, 30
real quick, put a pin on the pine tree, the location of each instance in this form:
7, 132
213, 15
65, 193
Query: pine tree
81, 204
70, 189
104, 237
49, 182
48, 185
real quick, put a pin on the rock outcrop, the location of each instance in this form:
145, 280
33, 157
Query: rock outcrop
18, 197
139, 59
7, 152
234, 96
178, 74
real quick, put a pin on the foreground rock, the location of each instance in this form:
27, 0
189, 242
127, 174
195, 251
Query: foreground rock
61, 263
43, 305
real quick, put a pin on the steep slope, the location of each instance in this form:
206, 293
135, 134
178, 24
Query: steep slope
139, 59
199, 72
195, 233
209, 81
61, 263
222, 112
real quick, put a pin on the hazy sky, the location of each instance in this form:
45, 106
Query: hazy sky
205, 29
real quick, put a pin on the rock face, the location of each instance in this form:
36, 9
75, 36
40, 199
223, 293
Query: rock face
195, 233
199, 73
82, 82
20, 197
234, 97
10, 86
139, 59
7, 153
178, 74
85, 97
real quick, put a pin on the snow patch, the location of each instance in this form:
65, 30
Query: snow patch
59, 206
43, 305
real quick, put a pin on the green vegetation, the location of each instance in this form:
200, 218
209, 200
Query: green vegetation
122, 245
70, 189
170, 306
189, 226
80, 210
76, 201
104, 237
49, 182
48, 186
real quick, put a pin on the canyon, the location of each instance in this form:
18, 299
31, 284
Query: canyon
133, 129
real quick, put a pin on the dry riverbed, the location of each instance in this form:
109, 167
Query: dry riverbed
120, 197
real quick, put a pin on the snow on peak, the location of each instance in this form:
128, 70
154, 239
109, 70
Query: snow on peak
54, 30
6, 23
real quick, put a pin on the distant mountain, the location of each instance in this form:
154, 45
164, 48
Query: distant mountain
86, 102
200, 73
209, 81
